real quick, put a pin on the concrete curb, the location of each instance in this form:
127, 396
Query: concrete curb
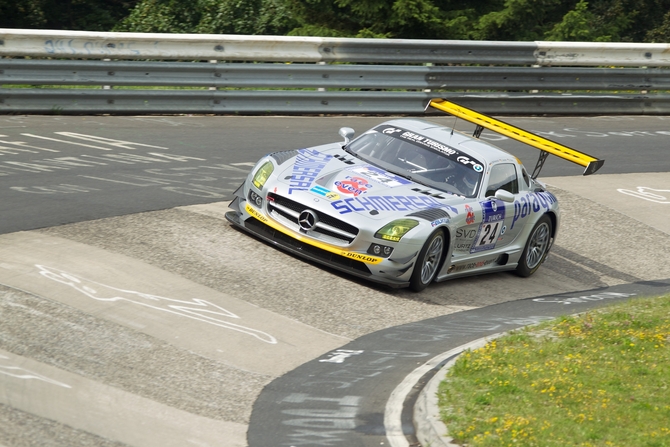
430, 430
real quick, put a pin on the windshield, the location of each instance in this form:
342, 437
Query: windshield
419, 159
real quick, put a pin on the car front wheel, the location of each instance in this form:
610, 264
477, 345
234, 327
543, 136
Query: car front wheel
537, 247
428, 262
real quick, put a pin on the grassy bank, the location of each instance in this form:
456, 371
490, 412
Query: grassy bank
597, 379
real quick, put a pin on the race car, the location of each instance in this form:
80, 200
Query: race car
408, 202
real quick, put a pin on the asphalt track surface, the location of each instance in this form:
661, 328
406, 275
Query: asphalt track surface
132, 314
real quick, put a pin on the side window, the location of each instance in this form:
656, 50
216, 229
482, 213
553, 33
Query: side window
503, 176
526, 178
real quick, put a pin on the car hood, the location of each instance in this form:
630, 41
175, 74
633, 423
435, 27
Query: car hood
334, 181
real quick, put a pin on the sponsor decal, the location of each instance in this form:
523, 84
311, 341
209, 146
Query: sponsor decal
255, 213
361, 257
388, 203
380, 176
428, 143
473, 265
493, 215
467, 161
463, 233
424, 141
353, 185
439, 222
327, 193
532, 203
308, 165
470, 217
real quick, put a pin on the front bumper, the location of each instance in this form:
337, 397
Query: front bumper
307, 251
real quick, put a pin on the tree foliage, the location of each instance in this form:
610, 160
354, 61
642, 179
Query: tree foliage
208, 16
498, 20
407, 19
82, 15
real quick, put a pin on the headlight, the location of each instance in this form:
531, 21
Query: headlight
395, 230
263, 174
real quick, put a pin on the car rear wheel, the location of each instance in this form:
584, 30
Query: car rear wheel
428, 262
537, 247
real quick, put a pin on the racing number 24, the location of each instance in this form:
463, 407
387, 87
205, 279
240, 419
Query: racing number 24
489, 234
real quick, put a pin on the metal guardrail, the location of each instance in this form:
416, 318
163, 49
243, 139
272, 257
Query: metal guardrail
250, 102
525, 78
72, 44
274, 75
100, 45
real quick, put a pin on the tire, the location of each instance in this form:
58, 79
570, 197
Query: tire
537, 247
428, 262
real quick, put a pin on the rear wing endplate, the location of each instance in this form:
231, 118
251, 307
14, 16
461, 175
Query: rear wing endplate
547, 147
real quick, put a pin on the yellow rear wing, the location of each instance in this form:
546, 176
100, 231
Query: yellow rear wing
591, 164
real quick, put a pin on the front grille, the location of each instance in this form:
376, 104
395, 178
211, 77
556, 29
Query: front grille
328, 227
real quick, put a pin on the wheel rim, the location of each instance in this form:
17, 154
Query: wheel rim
537, 246
432, 259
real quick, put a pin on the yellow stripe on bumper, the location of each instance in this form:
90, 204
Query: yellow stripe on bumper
363, 257
592, 164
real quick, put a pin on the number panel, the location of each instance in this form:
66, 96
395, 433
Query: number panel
491, 228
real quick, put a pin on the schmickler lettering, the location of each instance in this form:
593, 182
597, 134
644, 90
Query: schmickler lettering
308, 165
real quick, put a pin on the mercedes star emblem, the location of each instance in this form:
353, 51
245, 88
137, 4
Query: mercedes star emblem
307, 220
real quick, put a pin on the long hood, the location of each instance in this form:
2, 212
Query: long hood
334, 181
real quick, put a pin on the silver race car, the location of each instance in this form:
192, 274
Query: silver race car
408, 202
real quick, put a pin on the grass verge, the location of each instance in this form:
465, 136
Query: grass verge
596, 379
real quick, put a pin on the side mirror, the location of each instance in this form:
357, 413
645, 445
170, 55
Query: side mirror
347, 133
505, 196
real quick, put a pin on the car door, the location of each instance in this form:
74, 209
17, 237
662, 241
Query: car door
495, 227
